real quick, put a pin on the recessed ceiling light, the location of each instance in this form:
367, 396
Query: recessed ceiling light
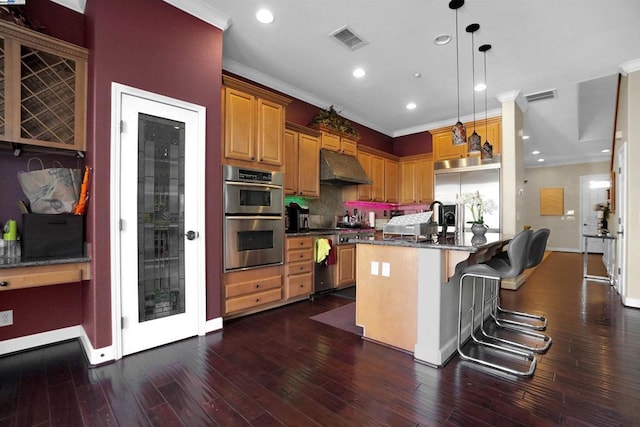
359, 73
606, 150
417, 75
411, 106
442, 39
265, 16
541, 160
480, 87
525, 136
535, 152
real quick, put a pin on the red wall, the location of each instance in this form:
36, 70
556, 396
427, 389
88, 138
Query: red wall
410, 145
149, 45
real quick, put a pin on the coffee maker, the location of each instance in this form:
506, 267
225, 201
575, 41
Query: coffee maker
298, 218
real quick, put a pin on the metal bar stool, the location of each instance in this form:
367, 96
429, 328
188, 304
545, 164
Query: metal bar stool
518, 255
537, 247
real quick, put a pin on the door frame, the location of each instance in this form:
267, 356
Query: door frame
584, 186
117, 91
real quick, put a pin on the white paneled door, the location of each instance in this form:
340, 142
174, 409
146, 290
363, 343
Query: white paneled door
594, 189
161, 211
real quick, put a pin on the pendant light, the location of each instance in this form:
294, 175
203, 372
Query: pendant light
487, 148
458, 131
474, 140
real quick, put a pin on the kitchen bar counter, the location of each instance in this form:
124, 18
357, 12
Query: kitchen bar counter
407, 292
18, 262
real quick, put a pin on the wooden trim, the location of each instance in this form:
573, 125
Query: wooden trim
43, 41
415, 157
377, 152
336, 132
234, 83
44, 275
302, 129
490, 120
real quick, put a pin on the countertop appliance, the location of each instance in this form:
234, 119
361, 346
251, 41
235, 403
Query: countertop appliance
253, 217
298, 218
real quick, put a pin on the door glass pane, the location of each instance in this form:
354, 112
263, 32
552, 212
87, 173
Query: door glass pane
160, 217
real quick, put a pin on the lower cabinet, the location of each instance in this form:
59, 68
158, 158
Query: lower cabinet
250, 289
298, 280
346, 265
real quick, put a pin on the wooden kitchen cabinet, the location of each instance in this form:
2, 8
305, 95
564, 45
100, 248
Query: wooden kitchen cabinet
346, 265
416, 179
302, 161
43, 275
249, 290
43, 90
253, 120
377, 176
443, 149
336, 141
390, 181
298, 281
365, 191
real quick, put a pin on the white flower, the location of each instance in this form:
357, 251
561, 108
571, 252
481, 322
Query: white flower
477, 206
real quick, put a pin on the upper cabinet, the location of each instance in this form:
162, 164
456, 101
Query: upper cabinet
253, 121
302, 161
337, 141
43, 89
416, 179
382, 169
443, 149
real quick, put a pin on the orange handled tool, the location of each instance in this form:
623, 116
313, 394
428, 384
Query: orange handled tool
84, 193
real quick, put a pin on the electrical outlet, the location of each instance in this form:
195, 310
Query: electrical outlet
6, 318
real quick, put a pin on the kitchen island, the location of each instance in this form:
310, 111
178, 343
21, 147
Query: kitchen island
407, 292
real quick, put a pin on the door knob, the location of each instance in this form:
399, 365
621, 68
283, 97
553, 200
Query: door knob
191, 235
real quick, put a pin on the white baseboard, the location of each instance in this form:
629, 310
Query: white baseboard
549, 248
95, 356
213, 325
37, 340
631, 302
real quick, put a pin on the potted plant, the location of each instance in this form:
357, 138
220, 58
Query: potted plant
478, 207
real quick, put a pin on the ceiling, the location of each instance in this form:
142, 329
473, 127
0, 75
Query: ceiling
575, 47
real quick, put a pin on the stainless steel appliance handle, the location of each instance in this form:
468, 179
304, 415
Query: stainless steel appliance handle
254, 217
253, 184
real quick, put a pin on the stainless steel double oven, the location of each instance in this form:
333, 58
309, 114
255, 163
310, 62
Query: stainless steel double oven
253, 217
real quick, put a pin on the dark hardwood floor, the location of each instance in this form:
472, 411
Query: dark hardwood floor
281, 368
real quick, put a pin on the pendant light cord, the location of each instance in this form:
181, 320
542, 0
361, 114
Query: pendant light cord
457, 66
473, 83
486, 126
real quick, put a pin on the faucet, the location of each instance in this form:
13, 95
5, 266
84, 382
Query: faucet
443, 233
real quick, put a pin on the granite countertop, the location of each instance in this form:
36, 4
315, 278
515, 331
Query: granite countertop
18, 262
465, 242
330, 231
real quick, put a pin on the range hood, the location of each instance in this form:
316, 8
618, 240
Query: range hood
341, 169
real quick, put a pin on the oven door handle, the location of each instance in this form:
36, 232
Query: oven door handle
254, 217
254, 184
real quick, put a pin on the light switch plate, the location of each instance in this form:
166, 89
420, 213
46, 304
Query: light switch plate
375, 267
386, 269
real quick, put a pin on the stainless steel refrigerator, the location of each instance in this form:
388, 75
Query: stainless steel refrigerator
451, 183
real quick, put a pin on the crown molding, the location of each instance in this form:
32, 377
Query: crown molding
77, 5
203, 11
447, 122
630, 66
514, 95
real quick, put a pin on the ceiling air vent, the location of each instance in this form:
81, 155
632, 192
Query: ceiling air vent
346, 37
539, 96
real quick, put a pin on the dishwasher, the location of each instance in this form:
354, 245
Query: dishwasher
325, 271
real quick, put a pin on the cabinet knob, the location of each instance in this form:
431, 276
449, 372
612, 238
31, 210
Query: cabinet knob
301, 256
257, 299
302, 285
258, 286
301, 268
3, 283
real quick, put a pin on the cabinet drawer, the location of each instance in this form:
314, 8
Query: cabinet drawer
298, 285
253, 286
252, 300
299, 256
45, 275
299, 243
298, 268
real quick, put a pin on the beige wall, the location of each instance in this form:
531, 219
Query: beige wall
565, 232
629, 127
512, 169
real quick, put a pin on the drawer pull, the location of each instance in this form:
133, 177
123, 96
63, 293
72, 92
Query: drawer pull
257, 299
301, 255
3, 283
302, 285
257, 285
301, 268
